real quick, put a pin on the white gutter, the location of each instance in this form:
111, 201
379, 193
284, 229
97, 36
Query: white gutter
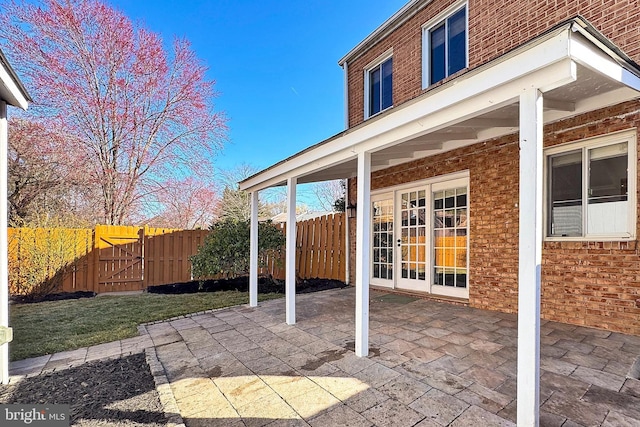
428, 112
388, 26
10, 90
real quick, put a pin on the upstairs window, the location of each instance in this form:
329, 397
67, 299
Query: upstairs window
379, 87
445, 46
589, 192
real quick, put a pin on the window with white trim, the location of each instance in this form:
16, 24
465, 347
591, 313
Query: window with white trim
379, 87
591, 188
445, 48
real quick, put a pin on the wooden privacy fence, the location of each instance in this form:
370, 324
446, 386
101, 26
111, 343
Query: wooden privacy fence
104, 259
128, 258
48, 259
320, 250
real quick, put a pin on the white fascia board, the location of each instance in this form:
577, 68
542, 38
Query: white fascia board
585, 53
383, 30
15, 96
545, 65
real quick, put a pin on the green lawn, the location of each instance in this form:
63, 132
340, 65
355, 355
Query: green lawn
50, 327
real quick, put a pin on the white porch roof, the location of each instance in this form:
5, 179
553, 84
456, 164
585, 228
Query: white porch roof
567, 71
11, 89
575, 67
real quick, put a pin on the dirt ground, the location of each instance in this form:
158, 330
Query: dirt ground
117, 393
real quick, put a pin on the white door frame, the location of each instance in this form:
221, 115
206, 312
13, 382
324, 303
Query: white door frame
415, 284
379, 197
449, 290
455, 180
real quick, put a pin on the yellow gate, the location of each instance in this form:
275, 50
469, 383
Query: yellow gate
119, 255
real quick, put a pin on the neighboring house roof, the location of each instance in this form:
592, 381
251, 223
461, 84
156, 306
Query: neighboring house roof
597, 73
11, 88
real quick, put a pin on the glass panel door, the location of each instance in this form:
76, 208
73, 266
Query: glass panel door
411, 240
382, 242
450, 241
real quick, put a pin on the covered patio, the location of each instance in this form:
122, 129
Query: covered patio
569, 70
430, 364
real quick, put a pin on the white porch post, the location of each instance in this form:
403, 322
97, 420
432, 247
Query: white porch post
363, 227
253, 251
4, 242
530, 257
290, 261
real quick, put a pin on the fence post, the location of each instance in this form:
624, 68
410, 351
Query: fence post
95, 277
144, 232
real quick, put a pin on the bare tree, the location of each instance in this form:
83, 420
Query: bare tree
327, 193
140, 116
188, 203
45, 179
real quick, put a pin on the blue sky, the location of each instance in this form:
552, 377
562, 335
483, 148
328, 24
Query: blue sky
274, 61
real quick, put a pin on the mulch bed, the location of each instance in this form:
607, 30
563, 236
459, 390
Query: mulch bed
22, 299
242, 284
117, 393
122, 392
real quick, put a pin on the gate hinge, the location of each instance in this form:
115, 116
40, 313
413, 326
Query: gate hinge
6, 334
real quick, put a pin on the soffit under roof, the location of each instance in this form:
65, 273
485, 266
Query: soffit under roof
591, 89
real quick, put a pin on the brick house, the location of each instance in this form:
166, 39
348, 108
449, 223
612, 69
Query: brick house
491, 153
12, 92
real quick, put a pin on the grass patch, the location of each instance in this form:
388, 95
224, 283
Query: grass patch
51, 327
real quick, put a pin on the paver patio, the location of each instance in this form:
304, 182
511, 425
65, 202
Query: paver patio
430, 364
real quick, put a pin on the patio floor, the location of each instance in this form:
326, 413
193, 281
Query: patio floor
431, 364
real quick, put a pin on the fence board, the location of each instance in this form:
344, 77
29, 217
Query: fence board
329, 264
322, 247
167, 256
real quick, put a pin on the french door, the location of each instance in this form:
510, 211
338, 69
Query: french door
450, 209
382, 241
420, 238
411, 239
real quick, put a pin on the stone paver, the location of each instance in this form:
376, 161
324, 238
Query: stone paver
430, 364
475, 416
392, 413
439, 407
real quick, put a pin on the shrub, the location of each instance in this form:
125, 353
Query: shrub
225, 252
38, 260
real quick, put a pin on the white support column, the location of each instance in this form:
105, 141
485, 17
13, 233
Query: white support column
290, 261
253, 251
4, 242
347, 237
363, 231
530, 257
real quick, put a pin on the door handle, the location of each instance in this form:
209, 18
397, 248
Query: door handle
399, 242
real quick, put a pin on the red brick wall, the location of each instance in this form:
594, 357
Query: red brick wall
407, 62
495, 26
587, 283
